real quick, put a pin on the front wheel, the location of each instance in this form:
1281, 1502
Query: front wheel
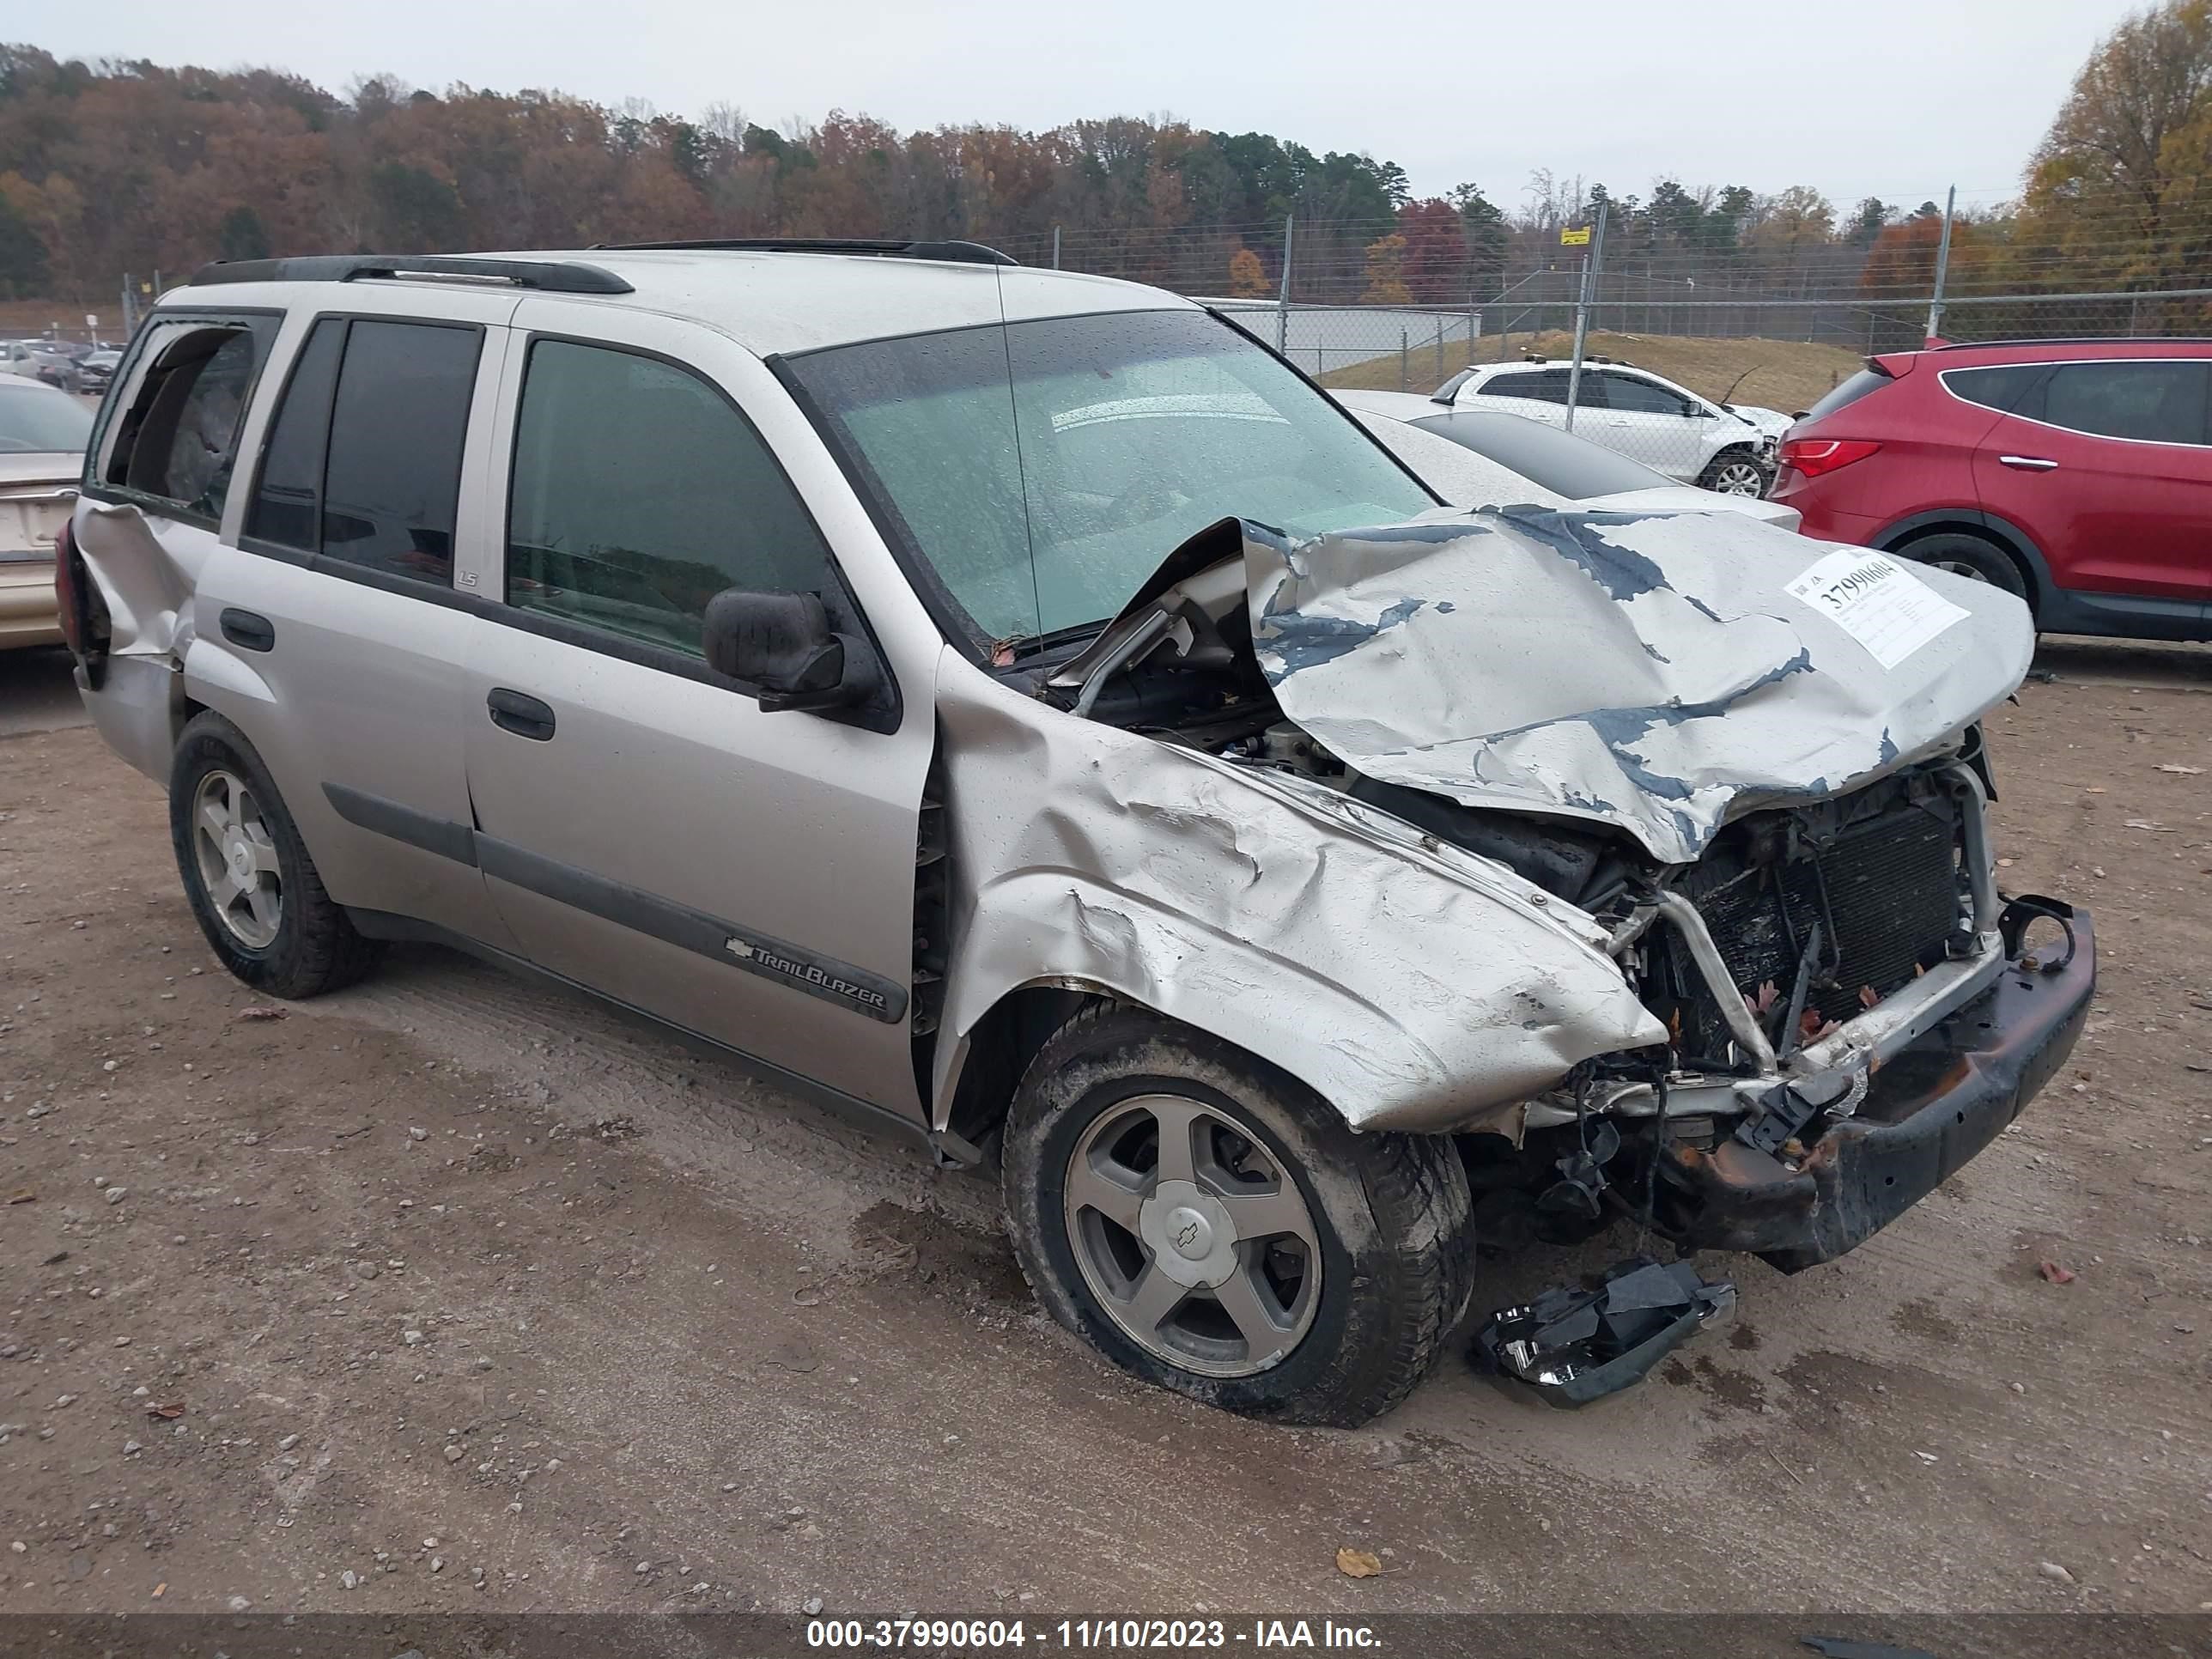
1735, 472
1213, 1226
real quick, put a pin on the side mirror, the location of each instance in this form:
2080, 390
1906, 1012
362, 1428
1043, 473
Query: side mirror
782, 643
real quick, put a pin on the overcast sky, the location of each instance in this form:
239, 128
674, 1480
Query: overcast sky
1895, 98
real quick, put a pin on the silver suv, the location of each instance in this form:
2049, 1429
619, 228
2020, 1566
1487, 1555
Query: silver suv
1017, 707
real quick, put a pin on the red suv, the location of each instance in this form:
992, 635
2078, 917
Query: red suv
2077, 473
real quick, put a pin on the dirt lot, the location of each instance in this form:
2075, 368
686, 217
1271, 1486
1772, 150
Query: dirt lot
450, 1293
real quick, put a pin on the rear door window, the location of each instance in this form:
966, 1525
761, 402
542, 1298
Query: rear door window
2150, 402
363, 462
177, 441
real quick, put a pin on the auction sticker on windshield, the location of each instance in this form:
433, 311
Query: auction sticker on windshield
1878, 602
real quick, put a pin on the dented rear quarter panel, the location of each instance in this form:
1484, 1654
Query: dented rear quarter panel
1412, 984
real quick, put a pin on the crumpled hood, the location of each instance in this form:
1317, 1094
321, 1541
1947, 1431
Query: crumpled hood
1663, 674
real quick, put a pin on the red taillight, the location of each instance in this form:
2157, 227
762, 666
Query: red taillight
69, 592
79, 609
1813, 455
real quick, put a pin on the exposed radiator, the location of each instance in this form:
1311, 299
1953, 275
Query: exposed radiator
1885, 890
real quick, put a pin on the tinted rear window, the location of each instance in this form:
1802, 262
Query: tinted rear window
2001, 386
1842, 396
2150, 402
392, 476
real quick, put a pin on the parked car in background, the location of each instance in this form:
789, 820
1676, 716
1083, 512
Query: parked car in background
1646, 417
43, 434
96, 370
1501, 454
2074, 473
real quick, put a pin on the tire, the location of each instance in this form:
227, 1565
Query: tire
1736, 472
301, 944
1970, 556
1388, 1223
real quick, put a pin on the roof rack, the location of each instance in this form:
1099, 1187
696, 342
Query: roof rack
952, 253
2069, 340
552, 276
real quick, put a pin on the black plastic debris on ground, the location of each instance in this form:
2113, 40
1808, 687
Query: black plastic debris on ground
1573, 1347
1838, 1647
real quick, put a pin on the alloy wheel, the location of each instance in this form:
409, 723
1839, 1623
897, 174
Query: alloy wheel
1739, 478
237, 860
1193, 1235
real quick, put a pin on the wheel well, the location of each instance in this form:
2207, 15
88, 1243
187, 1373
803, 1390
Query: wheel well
1980, 533
1000, 1050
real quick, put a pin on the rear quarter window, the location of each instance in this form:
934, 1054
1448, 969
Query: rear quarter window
177, 441
2001, 386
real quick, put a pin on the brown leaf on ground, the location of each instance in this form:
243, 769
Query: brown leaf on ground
1358, 1563
2055, 1273
262, 1011
23, 1195
167, 1411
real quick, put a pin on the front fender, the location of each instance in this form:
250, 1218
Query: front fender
1412, 984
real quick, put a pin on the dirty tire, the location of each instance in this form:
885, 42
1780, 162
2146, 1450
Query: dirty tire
1971, 556
1736, 472
1391, 1211
316, 948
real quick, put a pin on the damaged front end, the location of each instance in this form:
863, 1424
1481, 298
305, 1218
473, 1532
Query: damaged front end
1751, 765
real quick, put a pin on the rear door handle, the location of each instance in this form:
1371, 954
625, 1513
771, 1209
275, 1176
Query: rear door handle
524, 716
2028, 463
248, 631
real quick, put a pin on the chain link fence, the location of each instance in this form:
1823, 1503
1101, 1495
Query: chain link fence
1691, 365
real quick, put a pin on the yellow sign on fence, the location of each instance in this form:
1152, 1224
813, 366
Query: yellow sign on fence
1574, 235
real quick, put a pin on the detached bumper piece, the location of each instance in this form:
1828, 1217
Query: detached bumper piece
1573, 1347
1924, 1113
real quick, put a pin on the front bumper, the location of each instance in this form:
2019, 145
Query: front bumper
1928, 1109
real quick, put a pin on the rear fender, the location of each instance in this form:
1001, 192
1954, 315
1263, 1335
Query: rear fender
147, 587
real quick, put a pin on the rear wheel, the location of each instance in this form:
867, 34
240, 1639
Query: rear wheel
1969, 556
1214, 1227
252, 888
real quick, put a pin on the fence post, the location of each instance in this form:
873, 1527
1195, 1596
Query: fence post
1591, 261
1440, 347
1942, 267
1055, 247
1283, 299
1405, 363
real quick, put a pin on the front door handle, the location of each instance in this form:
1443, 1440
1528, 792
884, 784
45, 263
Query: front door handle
524, 716
247, 629
2028, 463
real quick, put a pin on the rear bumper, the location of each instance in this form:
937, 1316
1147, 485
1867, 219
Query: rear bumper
1928, 1110
28, 616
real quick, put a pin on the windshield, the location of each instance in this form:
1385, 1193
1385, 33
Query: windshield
35, 419
1562, 463
1043, 469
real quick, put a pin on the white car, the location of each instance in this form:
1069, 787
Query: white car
1485, 458
1643, 415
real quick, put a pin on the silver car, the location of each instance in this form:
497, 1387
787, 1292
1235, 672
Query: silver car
1017, 708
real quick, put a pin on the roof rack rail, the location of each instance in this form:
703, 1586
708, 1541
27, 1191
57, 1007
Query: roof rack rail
552, 276
953, 253
2069, 340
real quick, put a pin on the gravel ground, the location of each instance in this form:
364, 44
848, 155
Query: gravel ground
449, 1292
